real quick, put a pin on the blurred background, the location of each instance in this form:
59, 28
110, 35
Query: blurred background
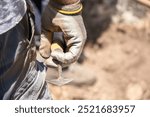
115, 63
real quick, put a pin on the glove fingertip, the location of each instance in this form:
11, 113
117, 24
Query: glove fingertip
50, 63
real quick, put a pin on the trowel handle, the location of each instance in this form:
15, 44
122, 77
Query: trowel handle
58, 41
55, 46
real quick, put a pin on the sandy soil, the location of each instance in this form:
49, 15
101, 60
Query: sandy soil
117, 67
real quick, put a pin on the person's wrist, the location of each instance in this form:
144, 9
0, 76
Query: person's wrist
71, 7
66, 2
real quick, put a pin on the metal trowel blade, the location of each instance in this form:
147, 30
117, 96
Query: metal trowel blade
60, 82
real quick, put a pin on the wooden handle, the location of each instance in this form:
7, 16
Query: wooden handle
55, 46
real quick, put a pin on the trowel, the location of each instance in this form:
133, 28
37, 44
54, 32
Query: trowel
59, 80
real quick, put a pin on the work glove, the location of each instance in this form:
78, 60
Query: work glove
68, 20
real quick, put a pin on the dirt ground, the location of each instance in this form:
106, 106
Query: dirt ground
116, 67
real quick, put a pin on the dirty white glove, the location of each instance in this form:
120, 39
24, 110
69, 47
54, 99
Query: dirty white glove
70, 22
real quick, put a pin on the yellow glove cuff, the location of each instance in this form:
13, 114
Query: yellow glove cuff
70, 12
70, 9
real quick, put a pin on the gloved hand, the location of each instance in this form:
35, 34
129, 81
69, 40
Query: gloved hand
66, 19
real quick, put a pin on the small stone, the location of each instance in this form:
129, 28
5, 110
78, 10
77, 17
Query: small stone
134, 91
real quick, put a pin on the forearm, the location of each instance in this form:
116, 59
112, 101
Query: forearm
66, 2
66, 6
